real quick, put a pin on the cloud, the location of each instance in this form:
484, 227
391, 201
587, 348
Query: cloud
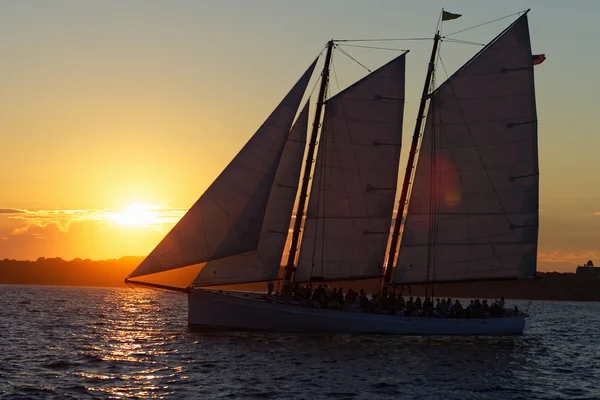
574, 258
31, 222
11, 211
39, 228
96, 234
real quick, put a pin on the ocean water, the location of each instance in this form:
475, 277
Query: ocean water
63, 342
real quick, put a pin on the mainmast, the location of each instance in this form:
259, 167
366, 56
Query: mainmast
289, 269
411, 162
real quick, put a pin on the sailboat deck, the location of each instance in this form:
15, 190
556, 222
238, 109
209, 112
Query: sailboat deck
348, 307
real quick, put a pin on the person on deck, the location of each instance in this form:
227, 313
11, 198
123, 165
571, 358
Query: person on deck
449, 306
401, 303
410, 307
501, 302
428, 307
350, 295
333, 297
458, 309
373, 305
341, 296
418, 304
316, 297
477, 308
485, 308
364, 301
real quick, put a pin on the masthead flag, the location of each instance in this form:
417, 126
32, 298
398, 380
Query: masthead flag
538, 58
446, 16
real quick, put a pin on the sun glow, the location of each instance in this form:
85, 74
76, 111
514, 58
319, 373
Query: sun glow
137, 214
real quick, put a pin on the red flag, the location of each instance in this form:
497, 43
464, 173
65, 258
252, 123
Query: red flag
538, 58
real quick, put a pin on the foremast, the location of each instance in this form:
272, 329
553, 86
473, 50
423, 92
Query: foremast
289, 269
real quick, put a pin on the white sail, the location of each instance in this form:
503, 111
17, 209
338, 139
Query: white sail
263, 263
480, 141
354, 182
228, 217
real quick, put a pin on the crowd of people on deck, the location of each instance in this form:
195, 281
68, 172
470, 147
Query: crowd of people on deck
393, 304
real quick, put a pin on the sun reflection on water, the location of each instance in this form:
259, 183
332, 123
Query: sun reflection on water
132, 343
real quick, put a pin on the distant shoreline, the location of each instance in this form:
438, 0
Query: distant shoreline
111, 273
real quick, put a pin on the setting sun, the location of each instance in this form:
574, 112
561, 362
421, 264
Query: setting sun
136, 214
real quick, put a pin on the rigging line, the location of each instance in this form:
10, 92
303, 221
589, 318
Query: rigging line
440, 20
380, 40
433, 194
372, 47
314, 87
319, 78
324, 174
485, 23
463, 42
437, 180
316, 186
324, 186
443, 66
337, 83
321, 159
406, 208
353, 59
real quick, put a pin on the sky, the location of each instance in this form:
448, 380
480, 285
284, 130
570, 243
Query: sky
115, 116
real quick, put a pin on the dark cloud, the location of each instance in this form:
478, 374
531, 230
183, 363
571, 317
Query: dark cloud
11, 211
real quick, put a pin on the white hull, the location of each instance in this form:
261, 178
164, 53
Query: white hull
222, 310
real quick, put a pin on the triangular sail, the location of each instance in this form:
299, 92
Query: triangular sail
263, 263
227, 218
473, 212
354, 182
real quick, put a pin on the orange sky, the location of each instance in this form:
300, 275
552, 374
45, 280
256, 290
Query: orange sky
108, 104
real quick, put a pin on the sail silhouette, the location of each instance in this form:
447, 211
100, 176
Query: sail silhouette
473, 210
227, 219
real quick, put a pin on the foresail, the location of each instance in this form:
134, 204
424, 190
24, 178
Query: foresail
354, 182
227, 219
473, 211
263, 263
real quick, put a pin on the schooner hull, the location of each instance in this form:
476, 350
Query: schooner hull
234, 311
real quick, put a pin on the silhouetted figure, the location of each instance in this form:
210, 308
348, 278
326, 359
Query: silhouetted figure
485, 308
428, 307
458, 309
269, 288
373, 305
410, 306
392, 305
401, 303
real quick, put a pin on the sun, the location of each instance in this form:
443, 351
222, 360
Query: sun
137, 214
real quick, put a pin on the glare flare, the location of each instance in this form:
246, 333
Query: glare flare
137, 214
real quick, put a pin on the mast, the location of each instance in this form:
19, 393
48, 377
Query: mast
289, 269
411, 161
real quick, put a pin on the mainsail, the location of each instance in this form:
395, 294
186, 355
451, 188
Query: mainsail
263, 263
473, 211
354, 182
227, 219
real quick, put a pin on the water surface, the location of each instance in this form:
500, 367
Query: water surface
64, 342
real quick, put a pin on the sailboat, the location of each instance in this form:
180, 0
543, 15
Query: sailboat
472, 196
